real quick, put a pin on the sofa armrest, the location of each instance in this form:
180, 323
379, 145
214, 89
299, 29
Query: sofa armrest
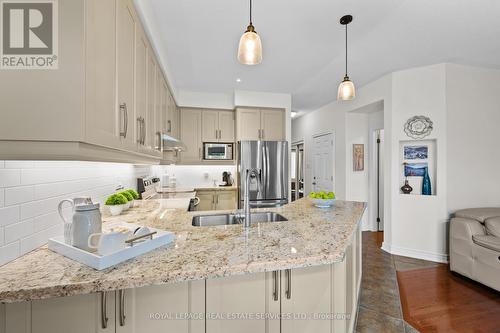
461, 243
464, 229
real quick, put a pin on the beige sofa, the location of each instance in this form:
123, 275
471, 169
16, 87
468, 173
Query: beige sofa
475, 245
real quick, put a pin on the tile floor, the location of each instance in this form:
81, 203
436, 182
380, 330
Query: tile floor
379, 305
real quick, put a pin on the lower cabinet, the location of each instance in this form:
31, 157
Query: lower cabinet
240, 304
153, 309
314, 299
216, 200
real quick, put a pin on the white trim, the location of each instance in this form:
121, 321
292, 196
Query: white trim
413, 253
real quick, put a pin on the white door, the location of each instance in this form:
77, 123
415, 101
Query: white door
210, 126
272, 125
307, 291
323, 166
226, 126
248, 124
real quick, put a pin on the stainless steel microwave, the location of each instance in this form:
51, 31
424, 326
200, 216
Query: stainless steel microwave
217, 151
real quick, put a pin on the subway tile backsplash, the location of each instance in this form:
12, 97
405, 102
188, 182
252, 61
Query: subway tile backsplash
31, 190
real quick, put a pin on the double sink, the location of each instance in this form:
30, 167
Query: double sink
230, 219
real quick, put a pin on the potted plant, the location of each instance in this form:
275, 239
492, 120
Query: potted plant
134, 195
129, 197
116, 203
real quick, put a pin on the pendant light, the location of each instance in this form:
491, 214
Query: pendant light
347, 91
250, 48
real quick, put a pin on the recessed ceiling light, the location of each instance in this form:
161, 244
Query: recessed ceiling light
238, 80
294, 114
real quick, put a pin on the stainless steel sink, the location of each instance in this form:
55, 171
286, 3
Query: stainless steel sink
229, 219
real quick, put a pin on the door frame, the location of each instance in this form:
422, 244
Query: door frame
295, 145
332, 133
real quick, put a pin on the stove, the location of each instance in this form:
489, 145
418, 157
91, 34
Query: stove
147, 186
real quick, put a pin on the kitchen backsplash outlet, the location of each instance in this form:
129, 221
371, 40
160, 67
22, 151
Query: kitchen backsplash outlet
31, 190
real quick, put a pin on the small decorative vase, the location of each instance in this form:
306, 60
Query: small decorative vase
406, 188
115, 209
426, 183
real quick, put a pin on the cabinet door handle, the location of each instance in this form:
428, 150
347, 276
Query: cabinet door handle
139, 127
158, 134
121, 294
263, 135
170, 126
104, 309
288, 292
259, 133
123, 110
144, 131
275, 285
220, 134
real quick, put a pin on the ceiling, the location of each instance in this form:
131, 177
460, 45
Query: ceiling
303, 43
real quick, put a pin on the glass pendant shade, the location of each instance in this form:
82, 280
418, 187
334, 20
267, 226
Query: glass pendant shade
347, 91
250, 48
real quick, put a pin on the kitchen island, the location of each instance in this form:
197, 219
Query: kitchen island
211, 269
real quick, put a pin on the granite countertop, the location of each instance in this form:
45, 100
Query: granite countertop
216, 188
312, 236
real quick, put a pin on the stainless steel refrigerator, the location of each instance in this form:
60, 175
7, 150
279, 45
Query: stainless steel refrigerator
271, 159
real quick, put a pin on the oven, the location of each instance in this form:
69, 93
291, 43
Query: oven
217, 151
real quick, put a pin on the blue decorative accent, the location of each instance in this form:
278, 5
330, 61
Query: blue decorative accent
426, 183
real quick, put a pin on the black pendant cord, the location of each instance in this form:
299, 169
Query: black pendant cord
346, 50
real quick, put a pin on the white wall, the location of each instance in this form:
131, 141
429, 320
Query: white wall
31, 190
473, 136
419, 222
195, 99
464, 104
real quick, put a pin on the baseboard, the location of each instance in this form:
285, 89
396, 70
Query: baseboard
413, 253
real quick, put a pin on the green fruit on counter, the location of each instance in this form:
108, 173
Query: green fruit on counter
312, 195
331, 195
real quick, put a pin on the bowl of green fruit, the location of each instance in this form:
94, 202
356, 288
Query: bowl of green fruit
322, 199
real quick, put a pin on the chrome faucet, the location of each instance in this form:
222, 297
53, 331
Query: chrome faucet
251, 173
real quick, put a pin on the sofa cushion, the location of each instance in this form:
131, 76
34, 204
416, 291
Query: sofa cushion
493, 226
478, 214
487, 241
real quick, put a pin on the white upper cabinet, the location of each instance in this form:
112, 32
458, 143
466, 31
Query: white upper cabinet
101, 117
260, 124
126, 64
226, 126
248, 124
101, 103
191, 122
272, 125
218, 126
210, 126
141, 93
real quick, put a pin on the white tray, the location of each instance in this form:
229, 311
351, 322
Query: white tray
98, 262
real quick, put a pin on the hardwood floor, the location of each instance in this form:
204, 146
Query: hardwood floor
436, 300
433, 299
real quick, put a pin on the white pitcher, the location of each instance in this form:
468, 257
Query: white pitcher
67, 224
